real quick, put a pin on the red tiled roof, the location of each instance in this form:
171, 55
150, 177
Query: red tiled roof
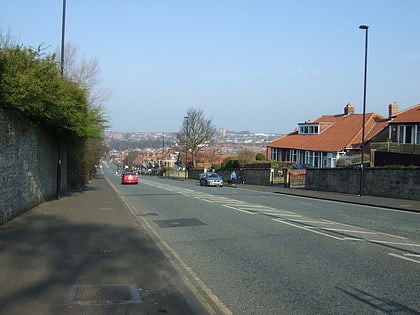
341, 131
409, 115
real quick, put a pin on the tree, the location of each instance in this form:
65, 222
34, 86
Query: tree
31, 83
85, 73
246, 156
196, 132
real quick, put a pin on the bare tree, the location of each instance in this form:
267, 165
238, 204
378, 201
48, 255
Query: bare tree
86, 73
196, 132
7, 40
246, 156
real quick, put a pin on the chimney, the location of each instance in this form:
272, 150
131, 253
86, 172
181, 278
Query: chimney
349, 109
392, 110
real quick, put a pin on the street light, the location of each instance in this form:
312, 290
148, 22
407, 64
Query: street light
59, 149
363, 27
186, 146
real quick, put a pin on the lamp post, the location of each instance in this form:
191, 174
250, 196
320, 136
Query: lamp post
186, 145
163, 149
363, 27
59, 149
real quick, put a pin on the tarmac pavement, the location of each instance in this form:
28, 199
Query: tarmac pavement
86, 253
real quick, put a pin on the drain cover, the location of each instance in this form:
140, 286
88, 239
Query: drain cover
103, 294
178, 222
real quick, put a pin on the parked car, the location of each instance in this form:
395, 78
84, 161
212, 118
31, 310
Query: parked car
211, 179
130, 178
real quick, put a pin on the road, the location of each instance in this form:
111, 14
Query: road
248, 252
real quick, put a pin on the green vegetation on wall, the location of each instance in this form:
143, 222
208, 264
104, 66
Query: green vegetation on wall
31, 84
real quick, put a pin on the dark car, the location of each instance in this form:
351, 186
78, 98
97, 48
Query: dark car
211, 179
130, 178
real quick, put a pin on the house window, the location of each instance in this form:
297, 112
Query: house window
296, 156
417, 134
293, 155
409, 134
305, 129
275, 154
313, 158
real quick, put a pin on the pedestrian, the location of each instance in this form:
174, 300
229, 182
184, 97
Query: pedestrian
233, 178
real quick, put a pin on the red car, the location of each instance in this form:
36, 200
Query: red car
129, 178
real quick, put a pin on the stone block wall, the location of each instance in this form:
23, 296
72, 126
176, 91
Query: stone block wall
383, 182
28, 165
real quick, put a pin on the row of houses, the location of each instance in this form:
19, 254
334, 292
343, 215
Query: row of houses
320, 143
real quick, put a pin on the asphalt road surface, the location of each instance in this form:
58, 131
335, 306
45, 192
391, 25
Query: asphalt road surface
249, 252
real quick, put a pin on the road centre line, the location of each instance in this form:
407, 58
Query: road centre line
321, 227
313, 221
349, 231
393, 243
412, 255
307, 229
237, 209
403, 257
284, 215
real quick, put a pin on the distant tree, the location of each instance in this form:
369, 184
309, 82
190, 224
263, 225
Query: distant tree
195, 133
128, 160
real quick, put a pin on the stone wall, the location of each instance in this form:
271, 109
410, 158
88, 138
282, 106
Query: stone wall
383, 182
28, 165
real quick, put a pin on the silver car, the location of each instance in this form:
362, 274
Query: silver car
211, 179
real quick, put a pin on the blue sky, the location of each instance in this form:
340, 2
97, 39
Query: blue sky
262, 66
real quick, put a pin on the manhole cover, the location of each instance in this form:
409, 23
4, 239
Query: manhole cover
103, 294
178, 222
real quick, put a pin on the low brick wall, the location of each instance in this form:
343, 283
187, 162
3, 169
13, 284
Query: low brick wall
28, 165
382, 182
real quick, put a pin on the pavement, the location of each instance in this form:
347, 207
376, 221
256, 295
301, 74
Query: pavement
87, 253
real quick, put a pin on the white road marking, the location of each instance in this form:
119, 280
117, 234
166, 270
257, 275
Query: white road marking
349, 231
307, 229
322, 227
237, 209
405, 258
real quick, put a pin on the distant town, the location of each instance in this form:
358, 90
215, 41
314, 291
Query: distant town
226, 142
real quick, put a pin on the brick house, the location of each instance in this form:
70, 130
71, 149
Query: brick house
321, 142
404, 126
400, 140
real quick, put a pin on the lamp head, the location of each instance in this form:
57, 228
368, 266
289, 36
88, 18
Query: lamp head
363, 27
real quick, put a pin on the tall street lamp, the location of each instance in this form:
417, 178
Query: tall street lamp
163, 149
363, 27
186, 146
59, 149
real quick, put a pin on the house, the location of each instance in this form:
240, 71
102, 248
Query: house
399, 143
404, 126
321, 142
